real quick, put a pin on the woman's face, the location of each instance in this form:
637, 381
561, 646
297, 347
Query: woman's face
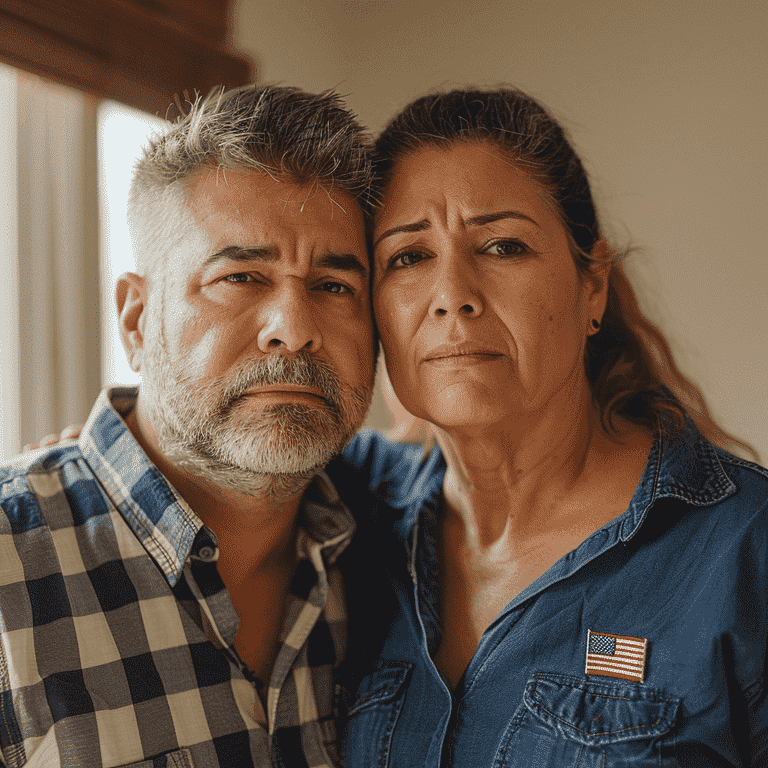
482, 312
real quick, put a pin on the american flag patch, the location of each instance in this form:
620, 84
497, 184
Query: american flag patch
616, 656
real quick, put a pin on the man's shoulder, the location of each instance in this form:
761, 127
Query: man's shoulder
15, 475
32, 480
40, 460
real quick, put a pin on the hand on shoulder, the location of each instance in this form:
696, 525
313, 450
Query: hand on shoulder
68, 433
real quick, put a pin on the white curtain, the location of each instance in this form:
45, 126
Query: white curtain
50, 339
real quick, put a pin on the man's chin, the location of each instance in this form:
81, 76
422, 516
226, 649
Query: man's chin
246, 480
282, 439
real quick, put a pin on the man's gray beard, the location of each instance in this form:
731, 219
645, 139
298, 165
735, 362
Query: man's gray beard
270, 452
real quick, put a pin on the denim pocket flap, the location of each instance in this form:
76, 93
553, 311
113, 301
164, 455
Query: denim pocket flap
382, 685
596, 713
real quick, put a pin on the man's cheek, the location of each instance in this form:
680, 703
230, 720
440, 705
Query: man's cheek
197, 347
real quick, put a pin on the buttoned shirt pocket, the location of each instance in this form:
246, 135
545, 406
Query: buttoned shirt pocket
373, 715
567, 721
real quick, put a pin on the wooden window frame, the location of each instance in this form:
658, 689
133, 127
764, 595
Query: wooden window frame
144, 53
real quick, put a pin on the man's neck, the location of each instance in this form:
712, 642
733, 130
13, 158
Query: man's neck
258, 529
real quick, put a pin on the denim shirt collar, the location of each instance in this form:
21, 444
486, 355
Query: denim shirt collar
684, 466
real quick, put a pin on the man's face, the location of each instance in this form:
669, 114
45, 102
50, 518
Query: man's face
258, 345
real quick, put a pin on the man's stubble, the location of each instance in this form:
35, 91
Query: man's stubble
212, 430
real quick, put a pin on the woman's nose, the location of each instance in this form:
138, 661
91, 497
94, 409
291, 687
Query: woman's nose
454, 292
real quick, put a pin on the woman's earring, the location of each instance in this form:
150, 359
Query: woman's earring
595, 325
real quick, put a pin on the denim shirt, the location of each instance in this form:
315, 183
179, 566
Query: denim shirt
682, 572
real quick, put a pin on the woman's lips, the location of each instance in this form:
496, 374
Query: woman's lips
453, 361
452, 355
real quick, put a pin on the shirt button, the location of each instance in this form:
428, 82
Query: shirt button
206, 552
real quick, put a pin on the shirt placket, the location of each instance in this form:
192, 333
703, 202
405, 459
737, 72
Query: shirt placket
218, 618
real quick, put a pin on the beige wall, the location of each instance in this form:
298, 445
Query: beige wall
666, 101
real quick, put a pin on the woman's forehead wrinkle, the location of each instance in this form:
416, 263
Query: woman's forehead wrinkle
482, 219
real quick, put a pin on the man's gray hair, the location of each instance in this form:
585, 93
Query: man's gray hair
293, 136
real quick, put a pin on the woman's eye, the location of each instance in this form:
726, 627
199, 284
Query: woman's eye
505, 248
408, 259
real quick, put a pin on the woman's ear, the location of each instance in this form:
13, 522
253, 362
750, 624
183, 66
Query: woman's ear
596, 281
131, 297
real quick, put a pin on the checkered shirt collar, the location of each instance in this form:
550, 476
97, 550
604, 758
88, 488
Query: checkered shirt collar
161, 519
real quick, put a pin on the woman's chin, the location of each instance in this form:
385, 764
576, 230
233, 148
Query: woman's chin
461, 407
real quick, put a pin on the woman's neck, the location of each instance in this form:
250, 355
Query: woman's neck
503, 478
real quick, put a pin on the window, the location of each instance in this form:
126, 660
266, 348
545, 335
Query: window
65, 166
122, 133
9, 297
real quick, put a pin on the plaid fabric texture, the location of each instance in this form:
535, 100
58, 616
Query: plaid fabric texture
116, 630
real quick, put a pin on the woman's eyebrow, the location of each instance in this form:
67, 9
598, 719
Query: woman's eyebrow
473, 221
417, 226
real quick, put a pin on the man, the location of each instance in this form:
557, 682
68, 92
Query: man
169, 593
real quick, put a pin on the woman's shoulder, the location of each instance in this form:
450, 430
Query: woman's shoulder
749, 490
712, 490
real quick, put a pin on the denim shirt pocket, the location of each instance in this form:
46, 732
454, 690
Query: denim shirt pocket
567, 721
372, 717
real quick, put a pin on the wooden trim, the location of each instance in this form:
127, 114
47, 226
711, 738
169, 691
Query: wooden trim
120, 50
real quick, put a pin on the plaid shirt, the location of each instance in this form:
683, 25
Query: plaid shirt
116, 630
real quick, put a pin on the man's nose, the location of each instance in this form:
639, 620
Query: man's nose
290, 322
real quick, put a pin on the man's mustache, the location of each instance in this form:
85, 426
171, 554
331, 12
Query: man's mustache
301, 369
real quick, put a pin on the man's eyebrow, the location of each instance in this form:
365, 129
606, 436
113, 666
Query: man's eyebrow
235, 253
472, 221
345, 262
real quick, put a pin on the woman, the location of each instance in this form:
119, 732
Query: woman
580, 575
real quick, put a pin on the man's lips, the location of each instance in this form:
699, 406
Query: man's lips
285, 392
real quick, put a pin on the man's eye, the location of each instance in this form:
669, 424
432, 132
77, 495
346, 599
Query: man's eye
407, 259
239, 277
332, 287
505, 248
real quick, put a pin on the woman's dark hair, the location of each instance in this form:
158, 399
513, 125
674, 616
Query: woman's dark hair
629, 363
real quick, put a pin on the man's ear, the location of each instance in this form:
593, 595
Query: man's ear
131, 297
596, 282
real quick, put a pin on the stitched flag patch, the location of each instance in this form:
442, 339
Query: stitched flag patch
618, 656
